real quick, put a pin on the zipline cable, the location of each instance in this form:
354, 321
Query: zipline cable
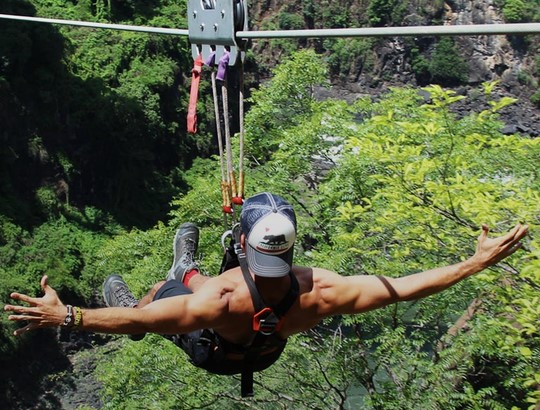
124, 27
454, 30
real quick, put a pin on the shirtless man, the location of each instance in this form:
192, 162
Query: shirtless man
218, 313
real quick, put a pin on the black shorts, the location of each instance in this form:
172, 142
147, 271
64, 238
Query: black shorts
172, 288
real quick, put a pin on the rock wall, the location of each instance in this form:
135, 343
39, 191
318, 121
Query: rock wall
509, 59
492, 57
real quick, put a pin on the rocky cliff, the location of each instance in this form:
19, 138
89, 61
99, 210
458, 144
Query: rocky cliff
510, 59
491, 57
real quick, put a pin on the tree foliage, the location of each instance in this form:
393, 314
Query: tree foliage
445, 67
384, 12
519, 11
94, 115
392, 185
402, 190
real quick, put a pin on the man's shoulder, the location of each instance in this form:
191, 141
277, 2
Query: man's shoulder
311, 270
230, 278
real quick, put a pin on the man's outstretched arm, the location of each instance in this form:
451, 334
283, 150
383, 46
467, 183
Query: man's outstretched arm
179, 314
356, 294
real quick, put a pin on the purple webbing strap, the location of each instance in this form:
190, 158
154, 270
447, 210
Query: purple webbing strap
222, 66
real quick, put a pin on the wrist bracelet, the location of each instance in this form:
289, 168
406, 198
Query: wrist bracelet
73, 317
69, 320
78, 317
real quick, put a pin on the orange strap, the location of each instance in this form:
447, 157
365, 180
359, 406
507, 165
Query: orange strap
194, 95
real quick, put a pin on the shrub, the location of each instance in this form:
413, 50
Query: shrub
447, 67
535, 98
386, 12
420, 66
515, 11
290, 21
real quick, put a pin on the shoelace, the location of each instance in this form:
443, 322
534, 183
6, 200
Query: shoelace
124, 296
189, 250
190, 246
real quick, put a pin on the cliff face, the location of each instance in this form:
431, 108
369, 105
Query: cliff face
384, 62
500, 57
490, 57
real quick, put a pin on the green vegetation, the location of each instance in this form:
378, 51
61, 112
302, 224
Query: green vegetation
535, 98
350, 56
385, 12
519, 11
290, 21
99, 112
446, 66
96, 173
409, 187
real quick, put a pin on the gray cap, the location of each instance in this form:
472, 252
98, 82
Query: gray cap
269, 223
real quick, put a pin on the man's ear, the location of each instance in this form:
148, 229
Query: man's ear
243, 242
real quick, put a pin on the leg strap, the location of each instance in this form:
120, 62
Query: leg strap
247, 384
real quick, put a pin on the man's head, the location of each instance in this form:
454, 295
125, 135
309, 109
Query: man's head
269, 224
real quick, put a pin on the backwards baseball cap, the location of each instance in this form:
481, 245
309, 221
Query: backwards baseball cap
269, 223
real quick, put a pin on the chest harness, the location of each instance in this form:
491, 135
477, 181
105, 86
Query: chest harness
266, 322
266, 346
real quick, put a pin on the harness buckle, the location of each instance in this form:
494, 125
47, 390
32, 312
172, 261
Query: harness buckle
266, 322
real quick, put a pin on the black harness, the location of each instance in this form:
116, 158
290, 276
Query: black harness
266, 322
209, 350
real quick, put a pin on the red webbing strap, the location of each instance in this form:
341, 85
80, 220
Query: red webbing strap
194, 95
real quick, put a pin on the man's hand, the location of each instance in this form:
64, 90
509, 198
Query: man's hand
489, 251
47, 311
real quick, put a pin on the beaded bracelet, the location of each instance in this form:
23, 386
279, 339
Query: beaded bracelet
68, 321
73, 317
78, 317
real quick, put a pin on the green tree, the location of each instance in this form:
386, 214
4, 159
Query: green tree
447, 67
379, 11
406, 190
384, 12
415, 188
515, 11
350, 57
283, 102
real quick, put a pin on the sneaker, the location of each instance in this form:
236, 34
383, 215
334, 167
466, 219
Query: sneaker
117, 294
185, 246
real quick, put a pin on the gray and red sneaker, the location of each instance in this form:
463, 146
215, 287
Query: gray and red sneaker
185, 244
116, 293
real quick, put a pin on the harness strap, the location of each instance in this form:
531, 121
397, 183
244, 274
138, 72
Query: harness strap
194, 95
239, 199
281, 308
265, 322
246, 384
